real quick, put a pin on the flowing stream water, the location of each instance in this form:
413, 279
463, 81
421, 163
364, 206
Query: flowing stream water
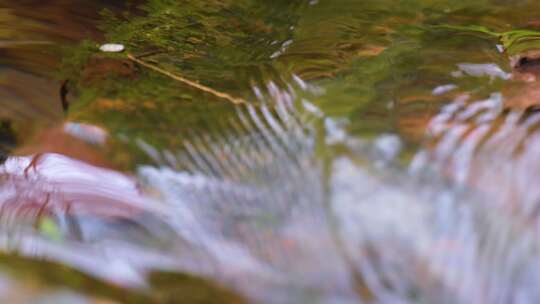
365, 151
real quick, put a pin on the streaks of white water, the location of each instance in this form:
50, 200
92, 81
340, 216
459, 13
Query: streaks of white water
463, 155
440, 121
270, 222
335, 130
492, 105
387, 146
443, 89
88, 133
491, 70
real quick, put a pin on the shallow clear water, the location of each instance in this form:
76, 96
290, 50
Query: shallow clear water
381, 153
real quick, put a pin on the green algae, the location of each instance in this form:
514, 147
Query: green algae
225, 45
376, 62
513, 41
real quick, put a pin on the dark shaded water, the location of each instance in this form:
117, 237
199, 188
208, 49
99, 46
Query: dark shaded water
385, 153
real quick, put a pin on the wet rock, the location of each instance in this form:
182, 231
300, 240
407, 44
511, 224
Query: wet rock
526, 62
524, 91
522, 96
8, 140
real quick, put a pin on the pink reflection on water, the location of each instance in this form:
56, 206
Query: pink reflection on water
54, 184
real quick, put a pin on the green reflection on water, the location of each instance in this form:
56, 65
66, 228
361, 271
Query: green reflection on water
376, 61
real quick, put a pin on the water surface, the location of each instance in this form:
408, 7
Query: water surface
382, 152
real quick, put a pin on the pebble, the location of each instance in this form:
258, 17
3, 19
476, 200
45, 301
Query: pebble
112, 48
